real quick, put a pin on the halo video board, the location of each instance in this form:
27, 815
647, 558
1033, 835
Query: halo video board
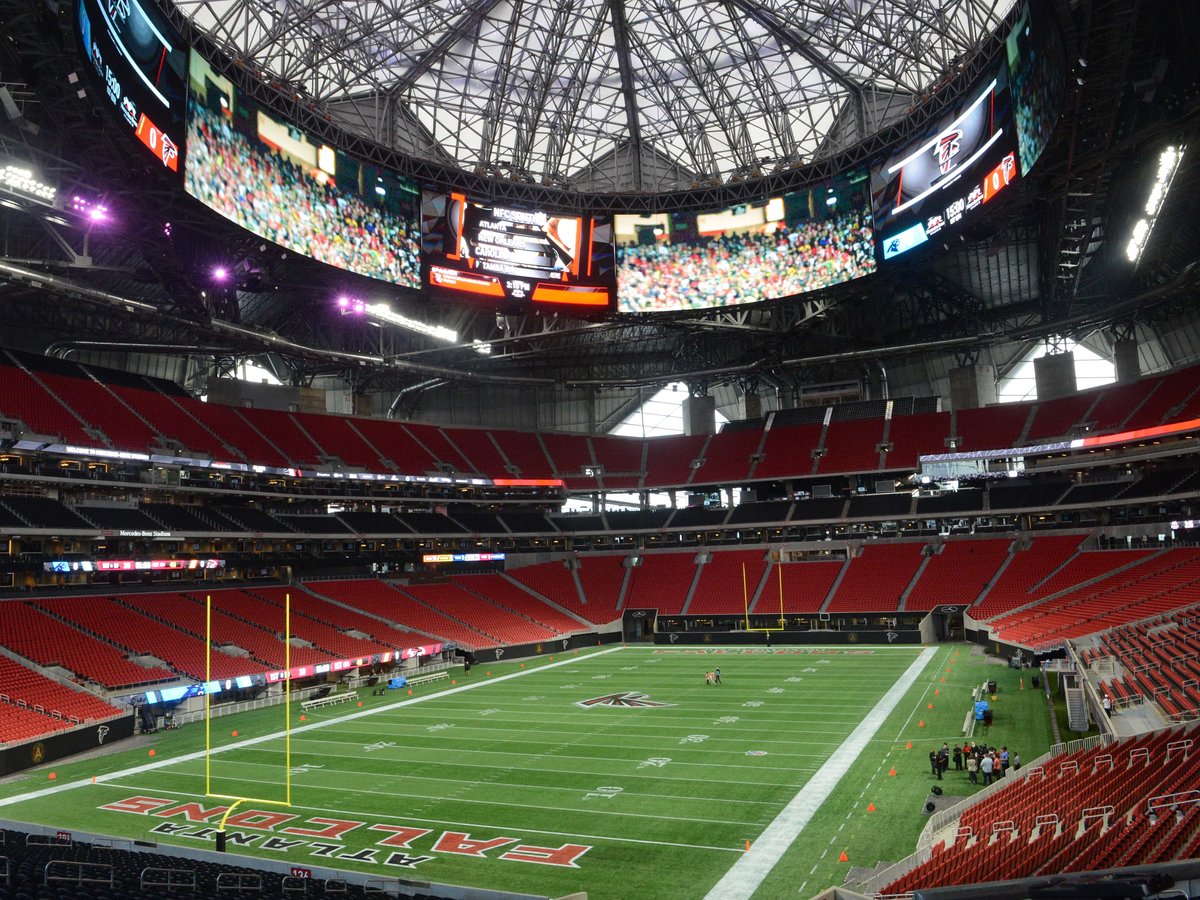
1036, 69
775, 247
511, 256
142, 63
290, 187
962, 164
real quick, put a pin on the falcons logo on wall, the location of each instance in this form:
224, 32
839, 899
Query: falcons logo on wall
623, 698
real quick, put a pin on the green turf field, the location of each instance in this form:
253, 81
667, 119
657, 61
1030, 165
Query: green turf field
506, 781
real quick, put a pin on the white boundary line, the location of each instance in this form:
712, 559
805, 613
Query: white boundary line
745, 875
199, 754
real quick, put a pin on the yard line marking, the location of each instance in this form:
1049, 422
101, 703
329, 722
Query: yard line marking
666, 734
745, 875
199, 754
458, 824
325, 770
655, 775
582, 810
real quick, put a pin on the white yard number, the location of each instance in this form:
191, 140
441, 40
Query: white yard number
605, 791
301, 770
795, 679
379, 745
654, 762
694, 739
774, 690
628, 668
599, 677
441, 726
753, 703
726, 720
488, 712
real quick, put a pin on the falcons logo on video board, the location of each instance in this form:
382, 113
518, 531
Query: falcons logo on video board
947, 148
623, 698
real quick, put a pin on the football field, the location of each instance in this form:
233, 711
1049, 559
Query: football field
619, 772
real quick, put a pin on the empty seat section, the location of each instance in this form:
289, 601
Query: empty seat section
876, 578
481, 454
991, 428
525, 452
669, 459
172, 422
394, 441
1156, 584
24, 399
177, 518
503, 592
1166, 402
148, 637
914, 436
281, 430
337, 437
18, 724
556, 583
1025, 570
237, 433
309, 524
1058, 418
434, 439
621, 458
42, 512
305, 602
570, 453
502, 625
391, 603
787, 451
722, 579
372, 523
254, 520
727, 457
959, 573
271, 616
852, 446
661, 582
36, 635
805, 585
22, 683
229, 628
97, 405
1117, 402
117, 518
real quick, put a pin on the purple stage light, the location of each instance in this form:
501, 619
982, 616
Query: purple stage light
220, 273
343, 302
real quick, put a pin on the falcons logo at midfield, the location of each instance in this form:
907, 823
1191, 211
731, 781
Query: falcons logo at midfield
622, 698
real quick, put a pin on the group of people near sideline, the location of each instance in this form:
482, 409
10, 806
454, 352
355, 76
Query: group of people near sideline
978, 760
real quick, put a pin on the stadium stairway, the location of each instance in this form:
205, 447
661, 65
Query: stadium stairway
903, 601
449, 627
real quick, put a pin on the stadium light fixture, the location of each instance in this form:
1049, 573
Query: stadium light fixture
1168, 165
220, 273
383, 313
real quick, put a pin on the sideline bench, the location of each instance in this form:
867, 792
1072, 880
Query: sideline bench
425, 679
327, 700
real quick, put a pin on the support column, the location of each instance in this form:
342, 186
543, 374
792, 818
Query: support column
1054, 375
1125, 358
751, 406
973, 386
700, 415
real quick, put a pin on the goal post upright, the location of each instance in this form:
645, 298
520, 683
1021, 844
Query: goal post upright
287, 730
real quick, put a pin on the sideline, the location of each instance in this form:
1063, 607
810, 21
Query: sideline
199, 754
748, 873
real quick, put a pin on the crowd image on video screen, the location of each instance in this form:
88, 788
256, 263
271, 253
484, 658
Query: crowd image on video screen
777, 247
512, 257
935, 185
141, 61
292, 188
1036, 67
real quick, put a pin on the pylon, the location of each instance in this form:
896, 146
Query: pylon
843, 857
908, 746
929, 706
943, 679
870, 807
936, 691
892, 772
921, 724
